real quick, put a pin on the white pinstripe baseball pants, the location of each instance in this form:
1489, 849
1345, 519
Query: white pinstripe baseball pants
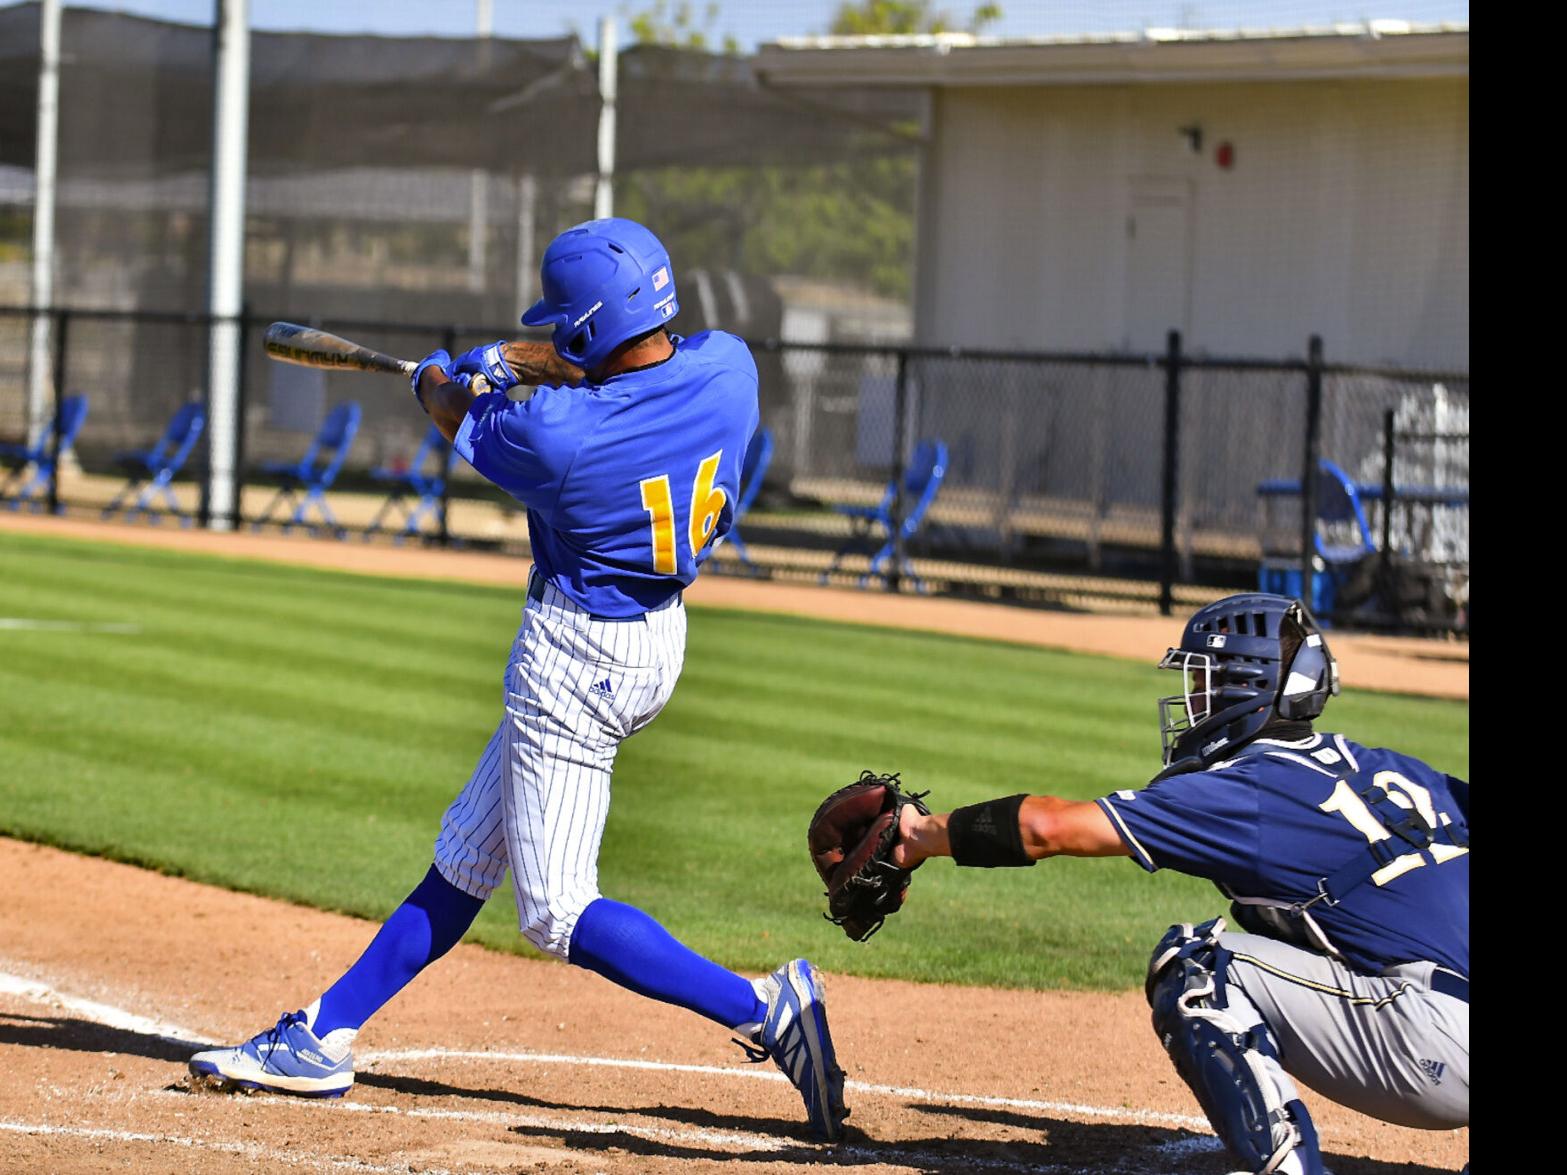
575, 688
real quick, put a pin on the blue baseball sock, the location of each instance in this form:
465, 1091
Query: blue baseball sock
627, 947
427, 925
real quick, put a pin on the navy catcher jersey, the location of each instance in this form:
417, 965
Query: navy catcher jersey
1266, 825
628, 483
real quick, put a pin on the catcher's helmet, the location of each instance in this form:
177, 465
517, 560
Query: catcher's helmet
605, 281
1236, 677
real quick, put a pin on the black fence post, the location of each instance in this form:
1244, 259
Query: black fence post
1308, 475
443, 469
241, 412
209, 436
1387, 491
62, 322
1172, 458
900, 407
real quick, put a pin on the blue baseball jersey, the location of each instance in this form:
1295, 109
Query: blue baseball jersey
630, 482
1268, 824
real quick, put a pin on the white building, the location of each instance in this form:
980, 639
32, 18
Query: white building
1247, 189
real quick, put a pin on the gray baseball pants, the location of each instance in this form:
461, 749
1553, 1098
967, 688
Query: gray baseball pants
1386, 1045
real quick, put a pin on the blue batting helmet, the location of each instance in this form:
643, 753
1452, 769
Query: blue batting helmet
1244, 660
605, 281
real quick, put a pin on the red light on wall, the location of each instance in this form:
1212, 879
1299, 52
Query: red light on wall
1224, 155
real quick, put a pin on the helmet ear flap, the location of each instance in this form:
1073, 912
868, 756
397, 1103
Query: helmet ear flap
1311, 676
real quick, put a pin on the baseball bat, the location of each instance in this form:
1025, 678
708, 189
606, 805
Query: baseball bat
305, 345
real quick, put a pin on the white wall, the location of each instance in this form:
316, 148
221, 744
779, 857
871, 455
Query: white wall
1345, 214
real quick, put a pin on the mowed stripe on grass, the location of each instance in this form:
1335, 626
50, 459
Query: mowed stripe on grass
297, 733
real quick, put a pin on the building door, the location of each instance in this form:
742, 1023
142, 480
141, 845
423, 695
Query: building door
1158, 262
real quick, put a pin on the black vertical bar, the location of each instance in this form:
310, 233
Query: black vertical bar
1172, 457
209, 435
62, 322
241, 411
1308, 476
204, 504
443, 467
1387, 489
899, 431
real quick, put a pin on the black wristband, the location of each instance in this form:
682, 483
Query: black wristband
987, 836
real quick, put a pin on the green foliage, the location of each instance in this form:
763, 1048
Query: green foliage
904, 18
849, 222
676, 24
298, 733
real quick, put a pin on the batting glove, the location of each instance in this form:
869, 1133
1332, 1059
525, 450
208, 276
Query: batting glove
437, 358
488, 362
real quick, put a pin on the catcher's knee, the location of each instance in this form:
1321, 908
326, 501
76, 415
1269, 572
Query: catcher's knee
1228, 1059
548, 925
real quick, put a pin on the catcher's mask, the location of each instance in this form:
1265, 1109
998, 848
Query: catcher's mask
1243, 660
605, 281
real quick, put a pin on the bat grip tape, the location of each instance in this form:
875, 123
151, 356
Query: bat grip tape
987, 835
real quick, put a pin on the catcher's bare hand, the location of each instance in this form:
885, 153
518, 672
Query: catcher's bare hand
920, 836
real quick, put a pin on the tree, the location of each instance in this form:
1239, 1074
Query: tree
676, 24
903, 18
851, 221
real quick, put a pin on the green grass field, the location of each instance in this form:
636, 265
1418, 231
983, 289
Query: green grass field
298, 733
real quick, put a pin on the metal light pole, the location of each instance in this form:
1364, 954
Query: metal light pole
45, 175
604, 194
226, 262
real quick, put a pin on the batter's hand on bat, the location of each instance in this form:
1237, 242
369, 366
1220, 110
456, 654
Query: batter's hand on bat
489, 361
437, 358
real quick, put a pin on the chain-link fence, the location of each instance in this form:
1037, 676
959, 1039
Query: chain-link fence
1105, 481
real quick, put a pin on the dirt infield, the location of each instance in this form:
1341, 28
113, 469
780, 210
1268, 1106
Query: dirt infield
110, 976
496, 1063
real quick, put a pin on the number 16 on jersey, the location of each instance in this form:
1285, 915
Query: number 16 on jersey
707, 503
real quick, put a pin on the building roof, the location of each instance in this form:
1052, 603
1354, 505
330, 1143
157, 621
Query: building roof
1370, 49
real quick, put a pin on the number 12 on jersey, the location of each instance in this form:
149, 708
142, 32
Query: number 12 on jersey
707, 503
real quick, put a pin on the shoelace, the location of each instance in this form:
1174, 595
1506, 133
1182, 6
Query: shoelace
275, 1033
754, 1054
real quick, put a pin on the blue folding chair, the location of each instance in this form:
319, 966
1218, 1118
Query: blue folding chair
1342, 537
315, 472
758, 455
40, 456
151, 470
414, 480
921, 481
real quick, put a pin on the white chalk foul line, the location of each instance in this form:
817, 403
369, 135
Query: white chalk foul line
248, 1150
28, 624
890, 1154
110, 1016
105, 1014
1135, 1116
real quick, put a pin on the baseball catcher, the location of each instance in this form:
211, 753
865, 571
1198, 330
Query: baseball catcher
851, 840
1346, 866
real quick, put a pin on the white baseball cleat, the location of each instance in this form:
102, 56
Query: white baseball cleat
286, 1058
794, 1035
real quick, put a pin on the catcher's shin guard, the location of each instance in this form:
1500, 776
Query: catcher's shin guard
1224, 1051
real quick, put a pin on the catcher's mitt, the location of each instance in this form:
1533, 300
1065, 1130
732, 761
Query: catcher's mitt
851, 839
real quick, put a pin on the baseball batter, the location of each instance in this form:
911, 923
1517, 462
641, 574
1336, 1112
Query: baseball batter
628, 459
1347, 868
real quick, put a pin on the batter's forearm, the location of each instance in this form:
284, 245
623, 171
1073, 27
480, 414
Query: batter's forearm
537, 363
446, 400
